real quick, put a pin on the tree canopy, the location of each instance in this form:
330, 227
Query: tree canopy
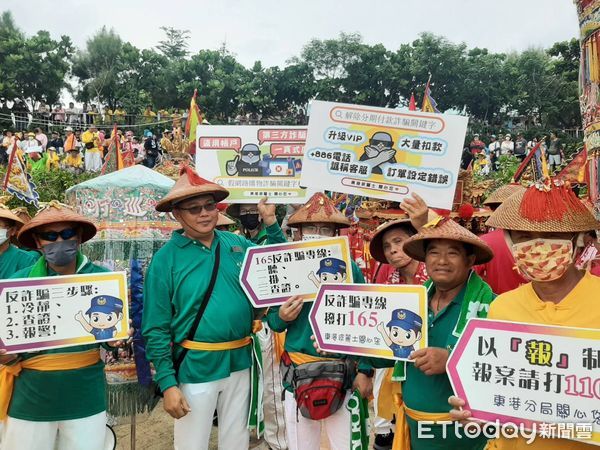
538, 84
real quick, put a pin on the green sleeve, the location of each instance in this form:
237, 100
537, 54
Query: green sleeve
156, 323
275, 234
375, 363
357, 274
275, 322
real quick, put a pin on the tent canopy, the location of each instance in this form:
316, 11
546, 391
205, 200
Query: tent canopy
131, 177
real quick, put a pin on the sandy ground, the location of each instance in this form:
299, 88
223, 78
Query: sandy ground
154, 431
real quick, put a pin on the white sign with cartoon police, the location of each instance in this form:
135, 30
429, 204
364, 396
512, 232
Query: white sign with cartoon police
383, 153
383, 321
62, 311
273, 273
253, 161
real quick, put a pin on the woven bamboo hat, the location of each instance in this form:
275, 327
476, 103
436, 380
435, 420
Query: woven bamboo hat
502, 194
189, 185
545, 207
6, 213
224, 220
54, 212
319, 208
444, 228
376, 244
22, 213
233, 210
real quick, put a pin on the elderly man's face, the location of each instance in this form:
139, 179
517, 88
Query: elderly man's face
447, 262
198, 215
392, 247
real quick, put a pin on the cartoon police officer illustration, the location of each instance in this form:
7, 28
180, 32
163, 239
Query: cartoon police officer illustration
104, 314
379, 151
404, 332
331, 270
247, 163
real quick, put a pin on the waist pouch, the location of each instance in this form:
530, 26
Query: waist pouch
319, 387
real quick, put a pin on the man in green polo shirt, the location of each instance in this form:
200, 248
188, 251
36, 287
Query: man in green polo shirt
57, 409
252, 226
213, 361
12, 258
455, 294
318, 218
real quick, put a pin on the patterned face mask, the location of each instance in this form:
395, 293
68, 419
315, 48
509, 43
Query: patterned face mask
543, 259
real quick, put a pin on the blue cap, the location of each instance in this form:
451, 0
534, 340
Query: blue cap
147, 133
332, 265
106, 304
405, 319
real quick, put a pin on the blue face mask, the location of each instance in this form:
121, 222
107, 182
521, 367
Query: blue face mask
61, 253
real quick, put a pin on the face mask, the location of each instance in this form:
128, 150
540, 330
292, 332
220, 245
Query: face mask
251, 159
543, 259
3, 235
311, 237
61, 253
250, 221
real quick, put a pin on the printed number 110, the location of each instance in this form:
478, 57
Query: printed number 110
363, 319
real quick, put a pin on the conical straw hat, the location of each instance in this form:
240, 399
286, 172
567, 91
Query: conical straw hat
376, 244
319, 209
443, 228
545, 208
54, 212
189, 185
502, 194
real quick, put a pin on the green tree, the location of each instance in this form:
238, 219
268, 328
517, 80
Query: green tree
103, 68
175, 45
32, 69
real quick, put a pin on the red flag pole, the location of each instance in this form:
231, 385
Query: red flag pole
10, 163
523, 165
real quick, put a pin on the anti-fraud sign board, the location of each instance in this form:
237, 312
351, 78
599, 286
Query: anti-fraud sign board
383, 153
271, 274
62, 311
253, 161
543, 378
383, 321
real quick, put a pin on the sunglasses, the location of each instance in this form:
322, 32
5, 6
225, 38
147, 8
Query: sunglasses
52, 236
208, 207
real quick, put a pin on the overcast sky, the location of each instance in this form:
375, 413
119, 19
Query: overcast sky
275, 30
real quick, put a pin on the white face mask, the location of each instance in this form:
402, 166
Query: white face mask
3, 235
311, 237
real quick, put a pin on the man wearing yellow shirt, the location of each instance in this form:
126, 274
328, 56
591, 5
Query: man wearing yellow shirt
149, 115
93, 155
542, 225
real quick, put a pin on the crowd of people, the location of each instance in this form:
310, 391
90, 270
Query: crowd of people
200, 328
17, 115
484, 155
20, 116
80, 151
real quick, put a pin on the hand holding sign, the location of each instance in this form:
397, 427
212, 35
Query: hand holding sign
267, 212
288, 312
431, 361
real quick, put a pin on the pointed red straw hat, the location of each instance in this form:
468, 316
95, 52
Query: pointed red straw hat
550, 206
319, 208
189, 185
